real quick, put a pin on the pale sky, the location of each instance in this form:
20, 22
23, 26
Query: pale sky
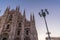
53, 19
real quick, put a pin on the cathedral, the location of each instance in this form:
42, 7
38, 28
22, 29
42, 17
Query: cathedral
15, 26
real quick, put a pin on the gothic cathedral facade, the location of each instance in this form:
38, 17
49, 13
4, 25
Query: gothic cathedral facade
15, 26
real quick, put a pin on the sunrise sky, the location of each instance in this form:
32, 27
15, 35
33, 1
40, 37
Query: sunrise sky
53, 19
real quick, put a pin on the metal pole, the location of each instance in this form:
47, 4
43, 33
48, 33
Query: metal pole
44, 15
47, 29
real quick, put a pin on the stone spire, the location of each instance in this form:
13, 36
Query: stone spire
17, 8
31, 18
24, 14
8, 8
7, 11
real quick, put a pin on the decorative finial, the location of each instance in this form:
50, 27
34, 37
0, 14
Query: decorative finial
31, 17
24, 13
17, 8
8, 8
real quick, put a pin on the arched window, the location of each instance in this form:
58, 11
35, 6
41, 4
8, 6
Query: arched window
8, 26
10, 17
19, 24
27, 31
18, 32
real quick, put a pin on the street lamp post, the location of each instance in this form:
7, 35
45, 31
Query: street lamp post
43, 14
